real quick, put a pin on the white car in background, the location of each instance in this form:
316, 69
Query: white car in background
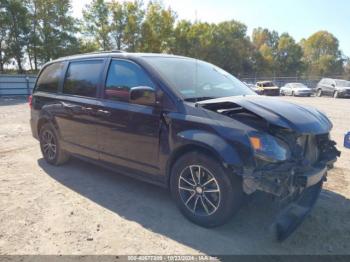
295, 89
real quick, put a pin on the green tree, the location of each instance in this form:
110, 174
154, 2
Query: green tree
96, 23
127, 18
266, 43
4, 35
182, 45
17, 28
52, 31
232, 48
288, 57
322, 55
157, 32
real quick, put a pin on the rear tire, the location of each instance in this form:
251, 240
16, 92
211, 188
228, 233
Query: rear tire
51, 147
205, 192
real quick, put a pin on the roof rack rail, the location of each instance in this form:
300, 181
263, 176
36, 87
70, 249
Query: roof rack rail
107, 51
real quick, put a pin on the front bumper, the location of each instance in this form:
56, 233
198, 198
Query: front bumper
296, 184
298, 193
303, 93
293, 215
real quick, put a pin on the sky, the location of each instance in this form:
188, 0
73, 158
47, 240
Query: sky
300, 18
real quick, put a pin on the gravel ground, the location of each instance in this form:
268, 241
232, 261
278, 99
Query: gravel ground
82, 209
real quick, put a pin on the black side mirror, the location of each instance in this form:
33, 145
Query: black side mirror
333, 85
142, 95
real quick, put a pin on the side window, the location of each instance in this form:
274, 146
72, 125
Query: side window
49, 79
82, 78
123, 75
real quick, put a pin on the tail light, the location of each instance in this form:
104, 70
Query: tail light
30, 101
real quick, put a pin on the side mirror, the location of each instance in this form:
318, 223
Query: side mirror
333, 85
142, 95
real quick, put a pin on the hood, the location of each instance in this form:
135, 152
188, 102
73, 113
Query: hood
301, 119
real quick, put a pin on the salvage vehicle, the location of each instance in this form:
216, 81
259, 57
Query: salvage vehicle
295, 89
254, 88
186, 125
333, 87
267, 88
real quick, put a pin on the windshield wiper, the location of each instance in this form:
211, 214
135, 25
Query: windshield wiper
197, 99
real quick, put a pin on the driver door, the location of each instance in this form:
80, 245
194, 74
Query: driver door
129, 133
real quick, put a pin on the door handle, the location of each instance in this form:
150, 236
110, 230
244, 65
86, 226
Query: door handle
101, 112
88, 109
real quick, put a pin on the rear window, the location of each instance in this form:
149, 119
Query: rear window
50, 77
82, 78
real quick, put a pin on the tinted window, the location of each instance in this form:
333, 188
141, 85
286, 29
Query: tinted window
122, 76
50, 77
82, 78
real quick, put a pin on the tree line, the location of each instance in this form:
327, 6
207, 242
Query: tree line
33, 32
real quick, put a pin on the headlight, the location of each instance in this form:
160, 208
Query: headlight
269, 148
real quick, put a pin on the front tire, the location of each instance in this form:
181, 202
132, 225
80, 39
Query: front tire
205, 192
50, 146
336, 94
319, 93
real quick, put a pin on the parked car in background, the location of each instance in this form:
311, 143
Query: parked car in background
254, 88
268, 88
295, 89
186, 125
333, 87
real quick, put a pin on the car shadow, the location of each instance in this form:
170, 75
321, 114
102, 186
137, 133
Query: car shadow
249, 232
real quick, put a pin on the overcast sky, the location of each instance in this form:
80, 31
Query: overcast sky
300, 18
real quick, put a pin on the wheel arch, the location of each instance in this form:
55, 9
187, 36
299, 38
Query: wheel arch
204, 142
182, 150
46, 118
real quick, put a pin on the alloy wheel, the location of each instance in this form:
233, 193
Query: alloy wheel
199, 190
49, 144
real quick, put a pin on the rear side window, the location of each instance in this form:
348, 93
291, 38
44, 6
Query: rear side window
123, 75
82, 78
50, 77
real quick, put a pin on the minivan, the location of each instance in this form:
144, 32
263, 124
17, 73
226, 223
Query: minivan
186, 125
333, 87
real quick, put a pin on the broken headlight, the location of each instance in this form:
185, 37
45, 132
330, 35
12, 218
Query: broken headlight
269, 148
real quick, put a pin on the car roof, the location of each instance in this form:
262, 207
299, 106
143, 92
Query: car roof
114, 53
262, 82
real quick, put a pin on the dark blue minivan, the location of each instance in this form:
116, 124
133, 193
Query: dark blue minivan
186, 125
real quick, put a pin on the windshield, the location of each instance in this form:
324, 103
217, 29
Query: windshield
268, 84
197, 80
298, 85
343, 83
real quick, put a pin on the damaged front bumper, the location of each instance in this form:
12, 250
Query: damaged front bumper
294, 185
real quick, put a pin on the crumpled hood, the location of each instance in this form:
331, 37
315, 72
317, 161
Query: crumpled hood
301, 119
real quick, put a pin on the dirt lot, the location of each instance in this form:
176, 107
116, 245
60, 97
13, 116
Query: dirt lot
82, 209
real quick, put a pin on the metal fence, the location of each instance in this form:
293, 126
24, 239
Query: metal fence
311, 82
16, 85
22, 85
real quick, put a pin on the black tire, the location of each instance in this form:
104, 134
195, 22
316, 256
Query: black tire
293, 93
48, 141
319, 93
228, 200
